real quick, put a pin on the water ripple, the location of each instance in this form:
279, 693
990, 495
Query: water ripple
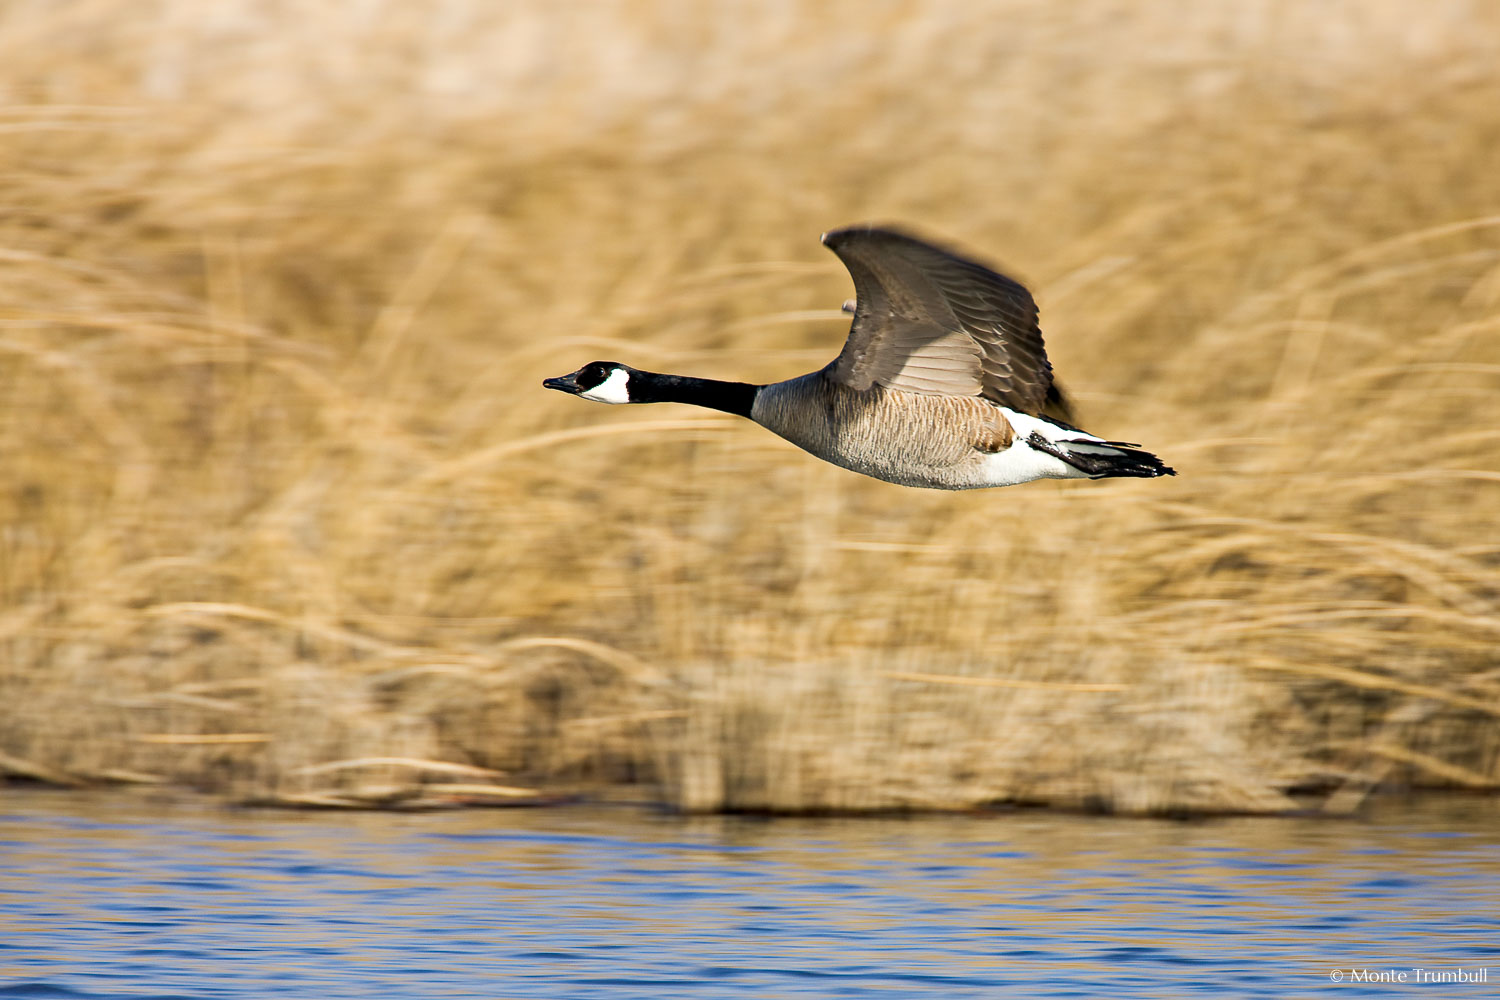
183, 902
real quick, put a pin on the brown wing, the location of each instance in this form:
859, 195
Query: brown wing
929, 321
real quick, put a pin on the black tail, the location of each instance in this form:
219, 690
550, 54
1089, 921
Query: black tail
1102, 459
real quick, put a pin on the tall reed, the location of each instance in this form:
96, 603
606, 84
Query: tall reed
285, 513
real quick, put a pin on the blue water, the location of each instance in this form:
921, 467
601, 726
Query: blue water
114, 896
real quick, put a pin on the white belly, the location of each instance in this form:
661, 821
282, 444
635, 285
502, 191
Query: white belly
1021, 463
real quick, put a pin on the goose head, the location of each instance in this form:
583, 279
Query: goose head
601, 381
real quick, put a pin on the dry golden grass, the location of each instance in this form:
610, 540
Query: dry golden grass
285, 513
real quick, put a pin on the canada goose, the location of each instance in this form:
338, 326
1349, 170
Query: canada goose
942, 383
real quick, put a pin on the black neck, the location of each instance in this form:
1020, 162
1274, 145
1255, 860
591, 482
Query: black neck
731, 397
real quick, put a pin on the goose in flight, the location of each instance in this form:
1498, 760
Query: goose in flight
943, 382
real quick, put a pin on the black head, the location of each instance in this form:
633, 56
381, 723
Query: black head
603, 381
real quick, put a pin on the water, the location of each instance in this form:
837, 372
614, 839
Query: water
112, 896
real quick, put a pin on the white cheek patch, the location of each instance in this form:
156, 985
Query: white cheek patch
614, 389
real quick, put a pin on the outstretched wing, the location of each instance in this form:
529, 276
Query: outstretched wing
927, 320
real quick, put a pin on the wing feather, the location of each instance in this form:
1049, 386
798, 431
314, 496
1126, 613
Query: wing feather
927, 320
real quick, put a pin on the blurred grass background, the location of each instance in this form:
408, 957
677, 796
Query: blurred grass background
286, 515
